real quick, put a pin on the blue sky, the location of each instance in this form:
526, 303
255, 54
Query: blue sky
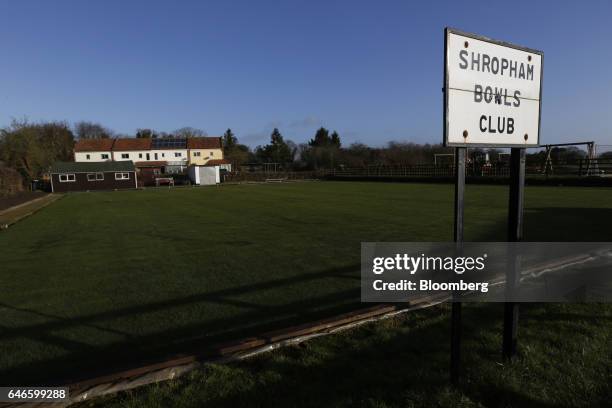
370, 69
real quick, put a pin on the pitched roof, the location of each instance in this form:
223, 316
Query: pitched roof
93, 145
204, 143
217, 162
132, 143
91, 167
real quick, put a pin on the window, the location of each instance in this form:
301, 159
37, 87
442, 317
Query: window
104, 156
155, 156
125, 155
177, 154
122, 176
95, 176
88, 156
67, 178
197, 154
212, 154
156, 172
163, 154
140, 155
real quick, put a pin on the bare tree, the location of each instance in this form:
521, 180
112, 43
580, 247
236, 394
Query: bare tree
91, 130
189, 132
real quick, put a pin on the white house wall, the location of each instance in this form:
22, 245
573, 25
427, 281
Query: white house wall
134, 155
93, 156
162, 155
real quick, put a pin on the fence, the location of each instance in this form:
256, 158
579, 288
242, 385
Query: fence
574, 169
424, 170
244, 176
595, 167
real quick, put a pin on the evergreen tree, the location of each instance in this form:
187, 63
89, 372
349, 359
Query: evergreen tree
321, 138
278, 151
335, 139
229, 140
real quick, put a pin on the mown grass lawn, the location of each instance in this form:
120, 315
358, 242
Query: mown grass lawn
100, 280
565, 360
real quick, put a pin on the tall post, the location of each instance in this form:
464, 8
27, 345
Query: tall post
455, 365
515, 234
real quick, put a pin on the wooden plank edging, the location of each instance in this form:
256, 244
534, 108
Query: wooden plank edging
227, 352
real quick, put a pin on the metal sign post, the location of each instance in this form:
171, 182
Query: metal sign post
515, 234
458, 235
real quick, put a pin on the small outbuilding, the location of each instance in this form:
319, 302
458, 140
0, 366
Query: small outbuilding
90, 176
204, 175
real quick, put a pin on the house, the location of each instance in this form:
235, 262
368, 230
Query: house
204, 149
94, 150
177, 151
81, 176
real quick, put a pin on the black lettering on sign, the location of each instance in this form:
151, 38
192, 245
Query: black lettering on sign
517, 100
476, 61
513, 65
491, 130
504, 65
506, 98
478, 93
488, 94
495, 65
485, 63
510, 126
498, 96
530, 72
463, 56
504, 125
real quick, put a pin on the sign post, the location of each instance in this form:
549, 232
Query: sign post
460, 155
515, 234
492, 98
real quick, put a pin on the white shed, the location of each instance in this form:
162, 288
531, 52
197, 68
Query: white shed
204, 175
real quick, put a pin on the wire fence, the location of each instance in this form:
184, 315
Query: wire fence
575, 168
268, 176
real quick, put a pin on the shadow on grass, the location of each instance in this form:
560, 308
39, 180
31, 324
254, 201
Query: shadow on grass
375, 365
347, 370
568, 224
552, 224
85, 361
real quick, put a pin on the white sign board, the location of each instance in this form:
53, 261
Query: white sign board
492, 92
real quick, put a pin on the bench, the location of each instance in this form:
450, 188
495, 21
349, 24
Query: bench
164, 180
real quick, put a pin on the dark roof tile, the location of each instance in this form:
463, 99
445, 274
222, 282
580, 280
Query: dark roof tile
132, 144
91, 167
93, 145
204, 143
